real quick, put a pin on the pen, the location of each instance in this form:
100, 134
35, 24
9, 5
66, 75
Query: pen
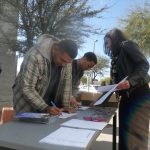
53, 104
76, 107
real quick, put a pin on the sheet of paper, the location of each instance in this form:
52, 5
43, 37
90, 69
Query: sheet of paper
103, 98
83, 107
69, 137
106, 88
66, 115
83, 124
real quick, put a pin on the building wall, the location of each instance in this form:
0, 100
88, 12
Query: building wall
8, 60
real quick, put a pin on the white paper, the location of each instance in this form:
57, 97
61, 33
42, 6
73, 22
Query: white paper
106, 88
66, 115
83, 124
83, 107
69, 137
103, 98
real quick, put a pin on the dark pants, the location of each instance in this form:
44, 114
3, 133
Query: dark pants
134, 115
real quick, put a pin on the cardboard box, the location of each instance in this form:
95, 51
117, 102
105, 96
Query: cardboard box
87, 98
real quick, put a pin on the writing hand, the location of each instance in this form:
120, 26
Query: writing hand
54, 110
74, 103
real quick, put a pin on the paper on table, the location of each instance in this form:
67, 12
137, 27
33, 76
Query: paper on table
69, 137
103, 98
66, 115
85, 124
83, 107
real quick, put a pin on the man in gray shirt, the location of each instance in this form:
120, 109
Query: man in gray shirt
88, 61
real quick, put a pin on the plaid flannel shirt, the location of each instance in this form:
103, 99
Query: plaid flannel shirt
33, 80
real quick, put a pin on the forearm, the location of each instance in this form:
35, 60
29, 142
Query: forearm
75, 91
34, 99
75, 88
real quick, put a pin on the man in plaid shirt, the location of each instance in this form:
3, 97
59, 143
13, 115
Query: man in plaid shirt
45, 77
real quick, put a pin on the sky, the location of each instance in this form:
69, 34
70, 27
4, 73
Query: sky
117, 9
110, 19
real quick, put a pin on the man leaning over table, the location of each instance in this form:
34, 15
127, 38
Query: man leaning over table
86, 62
45, 77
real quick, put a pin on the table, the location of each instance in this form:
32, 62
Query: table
24, 136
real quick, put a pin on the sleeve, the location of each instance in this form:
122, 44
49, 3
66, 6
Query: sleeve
140, 62
30, 74
76, 76
67, 89
75, 88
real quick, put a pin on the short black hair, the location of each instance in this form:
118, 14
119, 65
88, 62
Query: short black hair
69, 47
90, 56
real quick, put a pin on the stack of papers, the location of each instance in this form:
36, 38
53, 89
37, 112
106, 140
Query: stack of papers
83, 124
69, 137
79, 136
105, 88
33, 117
110, 89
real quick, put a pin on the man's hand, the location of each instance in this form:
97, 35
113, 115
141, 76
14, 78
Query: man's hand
54, 110
74, 103
123, 85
